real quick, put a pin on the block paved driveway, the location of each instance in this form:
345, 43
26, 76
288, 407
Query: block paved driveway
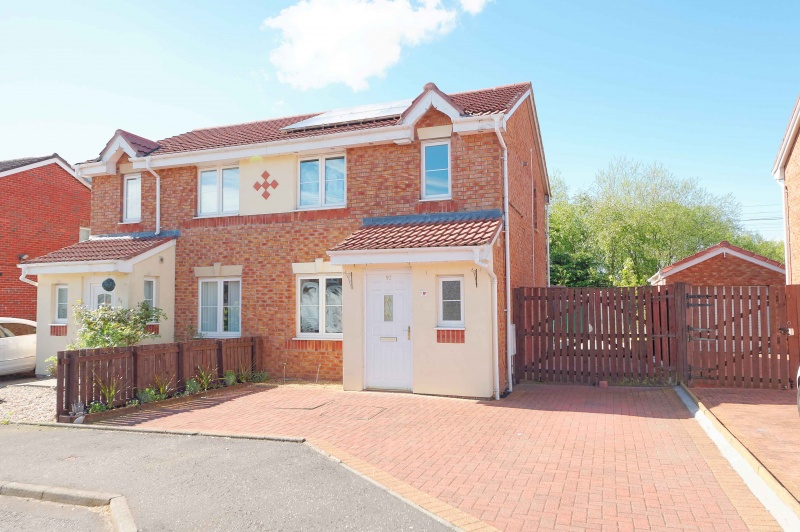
547, 457
766, 422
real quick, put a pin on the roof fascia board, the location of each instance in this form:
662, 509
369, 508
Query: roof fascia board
428, 100
94, 266
111, 153
52, 160
787, 143
406, 255
151, 252
528, 94
719, 251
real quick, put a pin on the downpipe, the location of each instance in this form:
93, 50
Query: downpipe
158, 193
495, 350
507, 240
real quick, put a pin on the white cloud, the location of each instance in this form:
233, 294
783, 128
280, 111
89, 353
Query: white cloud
473, 7
350, 41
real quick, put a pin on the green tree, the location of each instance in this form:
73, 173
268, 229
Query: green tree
635, 219
109, 326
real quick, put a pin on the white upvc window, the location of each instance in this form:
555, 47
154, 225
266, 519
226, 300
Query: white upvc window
84, 233
322, 182
218, 191
451, 301
150, 292
132, 198
62, 304
220, 313
436, 182
319, 306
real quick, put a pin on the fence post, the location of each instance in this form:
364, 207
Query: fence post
255, 354
61, 385
681, 331
220, 369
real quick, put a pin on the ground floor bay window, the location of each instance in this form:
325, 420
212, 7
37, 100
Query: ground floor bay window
221, 307
319, 307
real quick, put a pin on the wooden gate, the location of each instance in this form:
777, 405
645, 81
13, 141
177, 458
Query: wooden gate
736, 336
587, 335
742, 336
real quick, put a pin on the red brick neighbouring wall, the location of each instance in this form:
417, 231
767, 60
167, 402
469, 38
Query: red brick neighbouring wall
41, 210
727, 271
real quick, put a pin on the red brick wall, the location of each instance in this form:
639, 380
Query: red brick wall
383, 180
792, 183
727, 271
41, 210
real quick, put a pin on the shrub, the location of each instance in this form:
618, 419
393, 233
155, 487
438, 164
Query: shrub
192, 386
244, 375
109, 326
97, 407
108, 388
148, 395
132, 402
51, 366
259, 376
230, 378
205, 377
163, 385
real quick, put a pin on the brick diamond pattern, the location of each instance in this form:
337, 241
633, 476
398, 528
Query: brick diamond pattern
265, 184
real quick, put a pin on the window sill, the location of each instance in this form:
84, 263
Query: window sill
326, 337
57, 324
325, 208
129, 222
453, 328
221, 335
221, 215
437, 198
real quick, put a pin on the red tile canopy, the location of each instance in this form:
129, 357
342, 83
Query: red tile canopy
102, 249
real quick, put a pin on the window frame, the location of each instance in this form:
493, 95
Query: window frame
220, 306
450, 324
220, 201
125, 217
84, 230
322, 304
320, 159
56, 319
439, 197
155, 290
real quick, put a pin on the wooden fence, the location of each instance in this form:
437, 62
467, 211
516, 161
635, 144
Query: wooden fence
711, 336
138, 367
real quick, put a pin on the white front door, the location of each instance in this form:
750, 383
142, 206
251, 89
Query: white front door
99, 296
388, 321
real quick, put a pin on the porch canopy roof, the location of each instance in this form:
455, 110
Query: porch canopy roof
101, 254
419, 238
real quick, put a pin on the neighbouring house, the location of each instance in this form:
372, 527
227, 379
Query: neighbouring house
786, 171
722, 265
44, 206
377, 245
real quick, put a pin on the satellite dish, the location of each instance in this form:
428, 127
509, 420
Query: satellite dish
109, 285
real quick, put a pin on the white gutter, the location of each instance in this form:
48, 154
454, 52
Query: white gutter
495, 350
158, 194
23, 277
507, 240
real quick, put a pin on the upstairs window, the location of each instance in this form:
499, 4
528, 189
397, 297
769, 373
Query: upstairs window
132, 198
84, 233
219, 191
436, 170
322, 182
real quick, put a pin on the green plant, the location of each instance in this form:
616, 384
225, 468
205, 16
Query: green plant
163, 385
230, 377
205, 377
97, 406
259, 376
109, 326
132, 402
244, 375
51, 366
6, 420
148, 395
192, 386
108, 388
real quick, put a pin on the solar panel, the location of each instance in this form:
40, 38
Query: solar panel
350, 115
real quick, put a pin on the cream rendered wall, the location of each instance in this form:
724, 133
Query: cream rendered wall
129, 290
283, 198
160, 267
438, 369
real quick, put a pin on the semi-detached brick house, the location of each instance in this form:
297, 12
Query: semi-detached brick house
723, 265
43, 207
375, 245
786, 172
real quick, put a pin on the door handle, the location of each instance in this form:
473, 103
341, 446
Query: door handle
409, 332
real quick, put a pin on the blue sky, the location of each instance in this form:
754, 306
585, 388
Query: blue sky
706, 88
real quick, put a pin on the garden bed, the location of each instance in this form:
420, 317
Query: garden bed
123, 410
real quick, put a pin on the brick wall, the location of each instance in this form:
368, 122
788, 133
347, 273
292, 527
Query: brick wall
792, 183
727, 271
383, 180
41, 210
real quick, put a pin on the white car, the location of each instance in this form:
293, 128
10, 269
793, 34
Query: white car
17, 346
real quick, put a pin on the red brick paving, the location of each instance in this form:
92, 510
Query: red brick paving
766, 422
547, 457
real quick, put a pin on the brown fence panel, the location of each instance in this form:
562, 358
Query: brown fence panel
237, 354
158, 362
200, 355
